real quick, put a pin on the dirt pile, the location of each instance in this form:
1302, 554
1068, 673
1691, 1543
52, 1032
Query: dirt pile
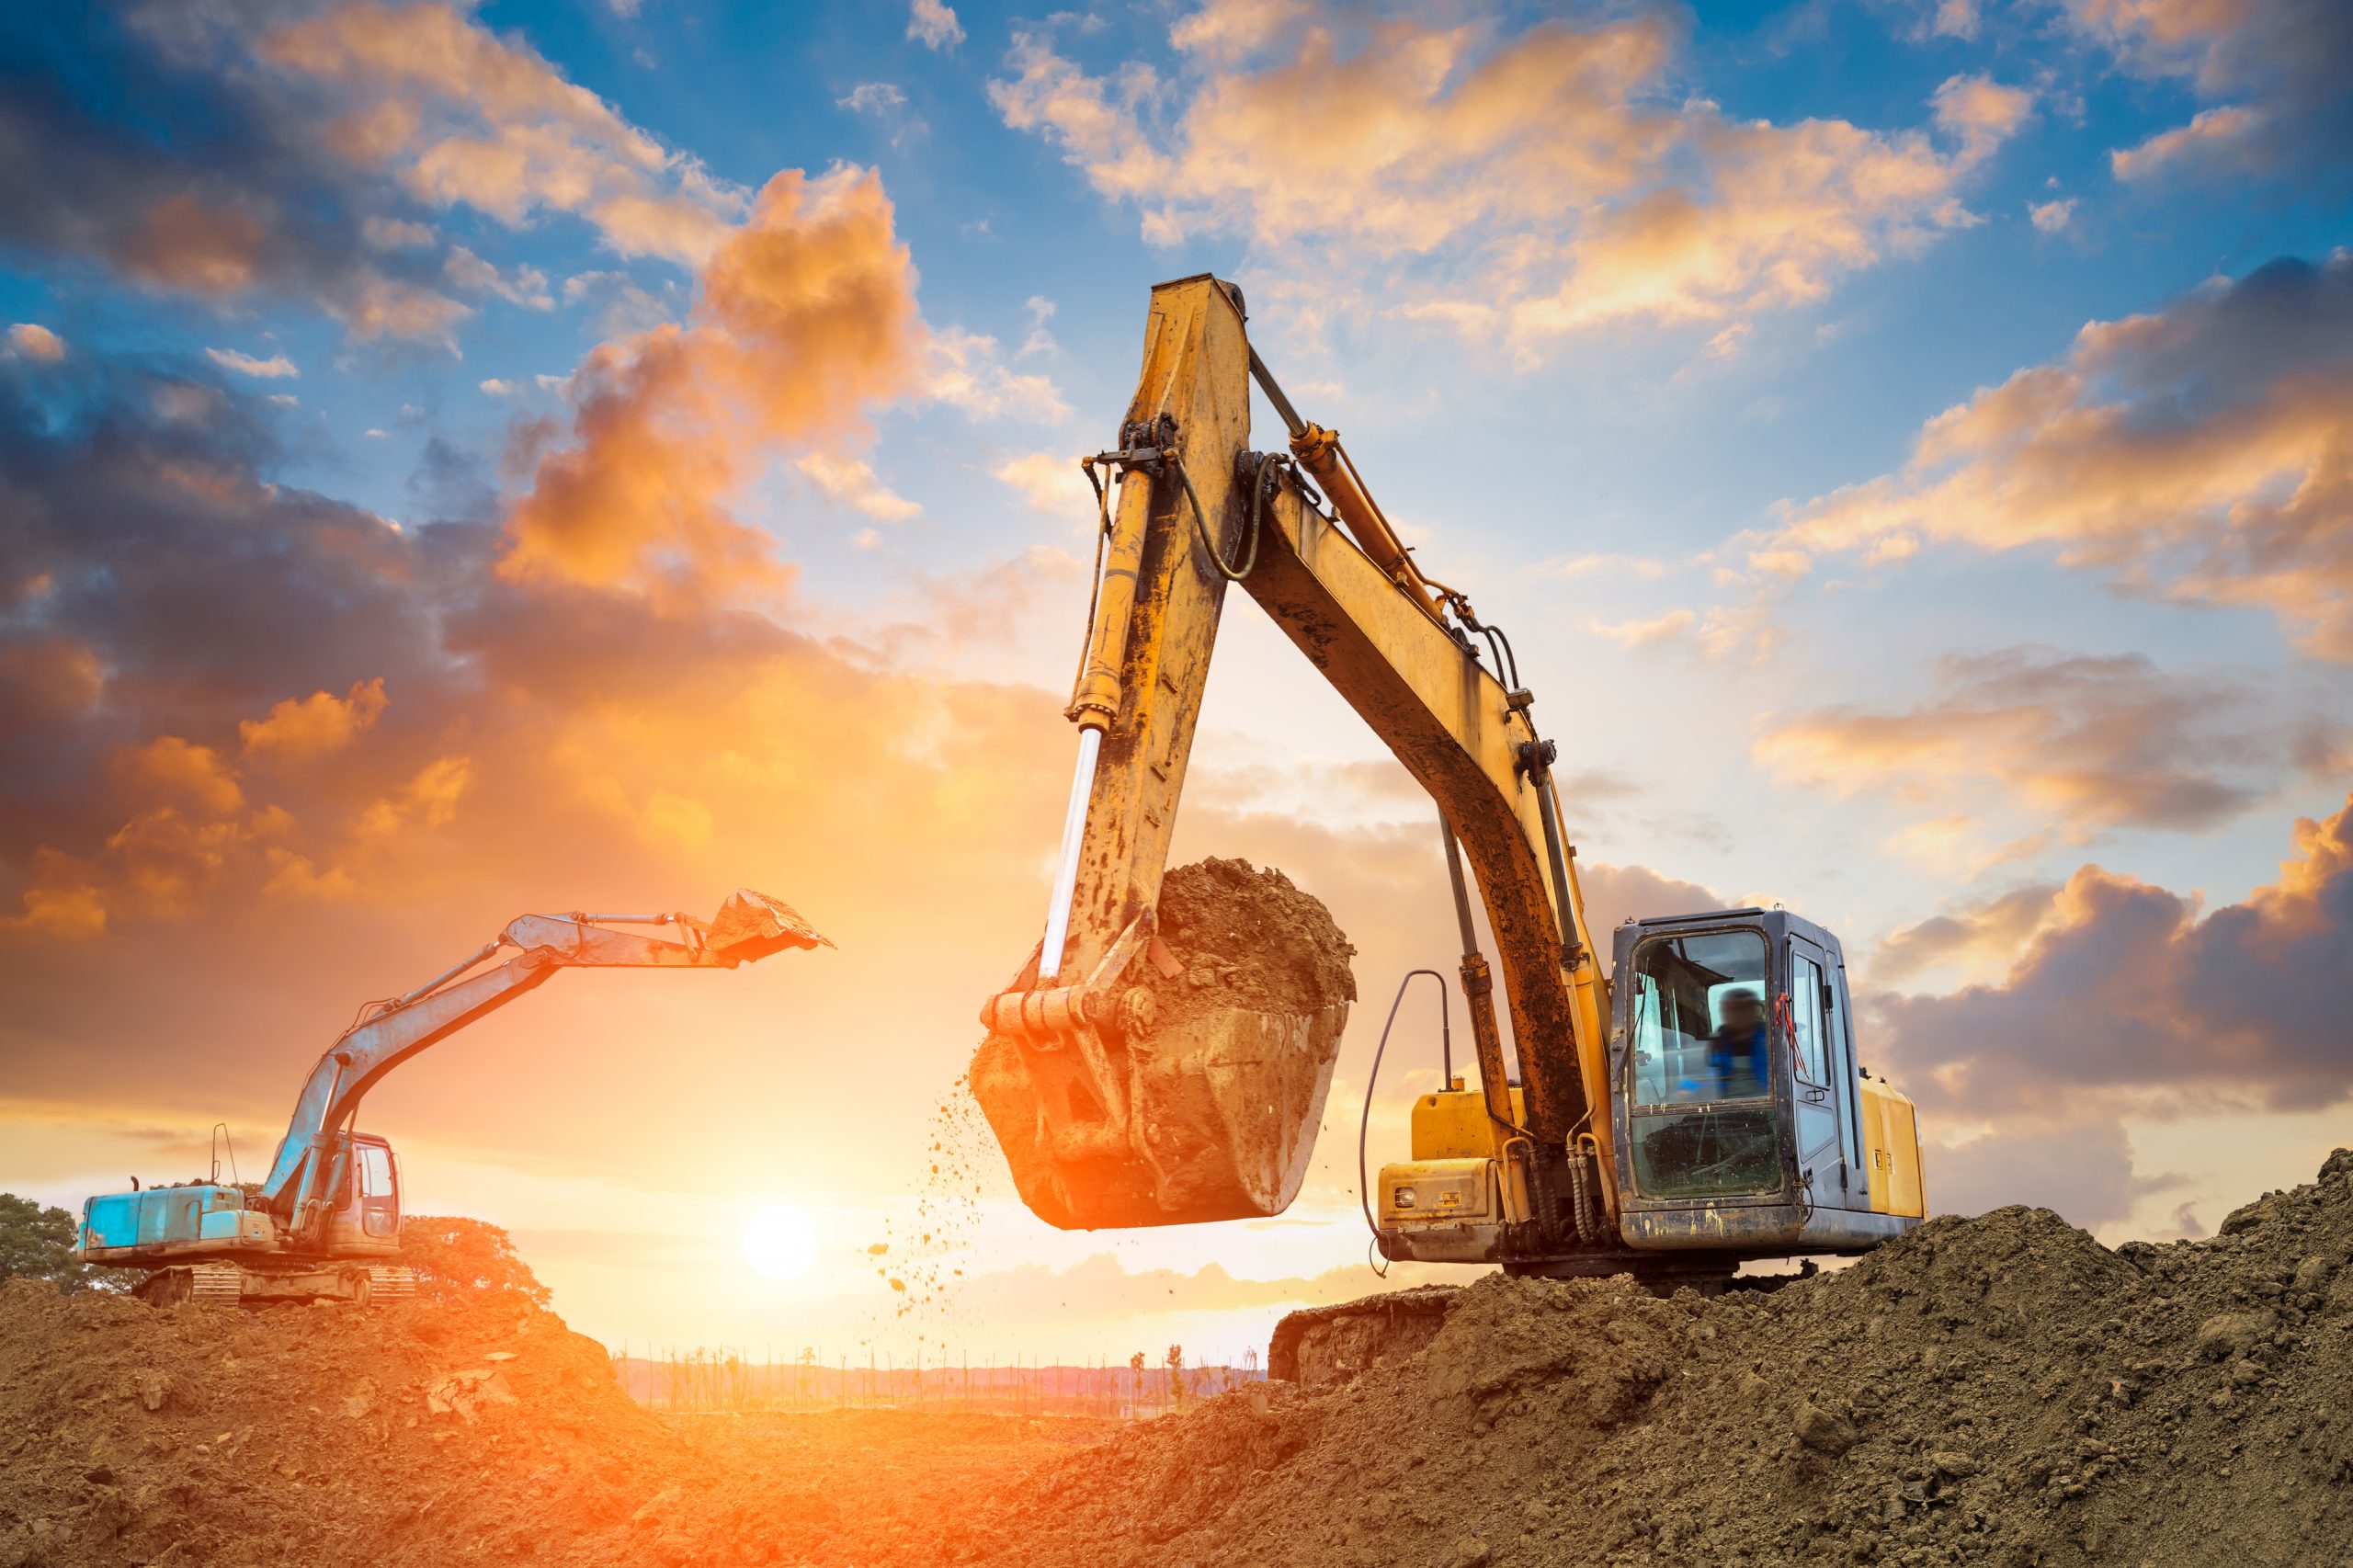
1247, 938
417, 1434
1999, 1390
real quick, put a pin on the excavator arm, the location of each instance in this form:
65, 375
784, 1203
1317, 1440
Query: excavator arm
308, 1169
1196, 510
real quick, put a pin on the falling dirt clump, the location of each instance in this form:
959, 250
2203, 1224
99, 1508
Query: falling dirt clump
2000, 1390
1247, 938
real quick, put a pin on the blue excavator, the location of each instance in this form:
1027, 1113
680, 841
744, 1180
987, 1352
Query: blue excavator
325, 1223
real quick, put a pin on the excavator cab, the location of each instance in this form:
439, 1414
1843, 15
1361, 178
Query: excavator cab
367, 1221
1743, 1122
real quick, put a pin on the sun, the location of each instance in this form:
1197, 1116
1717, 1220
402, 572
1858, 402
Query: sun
779, 1242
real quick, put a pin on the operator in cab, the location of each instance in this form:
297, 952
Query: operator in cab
1737, 1052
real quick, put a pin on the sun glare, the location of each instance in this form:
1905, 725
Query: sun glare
780, 1243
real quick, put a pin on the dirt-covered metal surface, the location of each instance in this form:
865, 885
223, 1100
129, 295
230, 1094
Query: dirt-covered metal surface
1195, 1092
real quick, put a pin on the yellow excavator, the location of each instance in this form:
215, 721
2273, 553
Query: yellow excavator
1696, 1106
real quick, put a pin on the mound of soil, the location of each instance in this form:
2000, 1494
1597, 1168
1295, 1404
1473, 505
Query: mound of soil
1999, 1390
431, 1434
1247, 938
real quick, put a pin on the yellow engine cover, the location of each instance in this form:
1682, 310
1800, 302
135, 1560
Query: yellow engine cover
1453, 1125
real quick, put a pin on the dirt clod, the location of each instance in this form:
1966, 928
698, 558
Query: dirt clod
1247, 938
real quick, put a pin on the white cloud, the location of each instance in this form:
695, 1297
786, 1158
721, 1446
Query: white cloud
1516, 184
278, 366
495, 387
2051, 216
30, 340
1052, 483
1039, 340
1646, 633
525, 286
934, 25
968, 369
850, 483
872, 97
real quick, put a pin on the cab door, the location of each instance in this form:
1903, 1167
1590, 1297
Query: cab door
379, 1192
1814, 1099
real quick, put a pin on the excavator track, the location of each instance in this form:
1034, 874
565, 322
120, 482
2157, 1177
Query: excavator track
1325, 1346
197, 1284
389, 1284
228, 1285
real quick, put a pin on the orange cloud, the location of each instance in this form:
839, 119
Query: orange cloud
34, 341
1538, 182
807, 316
466, 117
315, 724
2086, 743
2198, 452
2280, 65
170, 769
1988, 933
2125, 989
184, 244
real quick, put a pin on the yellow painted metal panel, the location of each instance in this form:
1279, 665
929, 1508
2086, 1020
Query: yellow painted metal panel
1892, 1149
1453, 1125
1437, 1192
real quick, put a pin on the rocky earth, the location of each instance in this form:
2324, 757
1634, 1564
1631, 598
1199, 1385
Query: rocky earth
1999, 1390
1246, 938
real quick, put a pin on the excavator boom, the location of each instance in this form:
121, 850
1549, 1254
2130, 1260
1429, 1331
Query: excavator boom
1193, 503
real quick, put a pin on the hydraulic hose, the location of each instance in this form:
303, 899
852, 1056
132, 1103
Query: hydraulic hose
1364, 1122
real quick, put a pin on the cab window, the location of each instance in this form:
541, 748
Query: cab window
1701, 1079
1700, 1030
375, 1171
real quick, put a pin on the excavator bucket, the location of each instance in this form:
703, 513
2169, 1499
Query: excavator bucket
1182, 1079
1211, 1116
752, 926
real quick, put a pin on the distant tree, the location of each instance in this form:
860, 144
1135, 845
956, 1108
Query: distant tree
467, 1260
38, 1243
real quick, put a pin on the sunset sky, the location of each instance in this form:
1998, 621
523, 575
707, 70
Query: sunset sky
464, 460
